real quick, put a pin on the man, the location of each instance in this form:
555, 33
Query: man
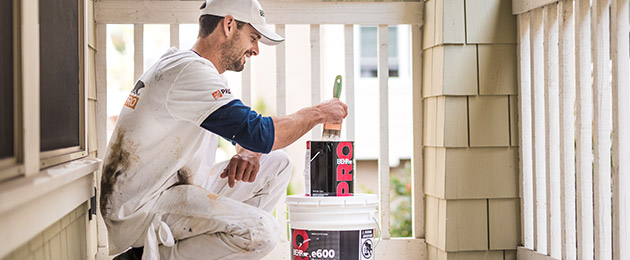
161, 192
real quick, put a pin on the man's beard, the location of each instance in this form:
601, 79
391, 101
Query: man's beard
231, 56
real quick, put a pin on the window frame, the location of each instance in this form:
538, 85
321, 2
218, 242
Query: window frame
58, 156
12, 166
16, 166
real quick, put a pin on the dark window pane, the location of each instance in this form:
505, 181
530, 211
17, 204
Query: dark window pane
59, 73
6, 79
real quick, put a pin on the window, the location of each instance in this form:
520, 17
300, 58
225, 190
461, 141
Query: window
369, 59
61, 81
7, 88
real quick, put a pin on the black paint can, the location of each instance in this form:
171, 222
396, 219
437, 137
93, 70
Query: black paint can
329, 169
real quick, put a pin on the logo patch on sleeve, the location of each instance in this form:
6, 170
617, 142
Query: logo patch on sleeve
134, 96
217, 94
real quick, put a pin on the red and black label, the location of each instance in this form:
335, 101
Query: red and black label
332, 245
330, 168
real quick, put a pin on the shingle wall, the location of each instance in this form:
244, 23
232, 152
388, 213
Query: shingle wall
470, 130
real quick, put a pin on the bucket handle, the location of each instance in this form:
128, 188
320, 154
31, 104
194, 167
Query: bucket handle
380, 235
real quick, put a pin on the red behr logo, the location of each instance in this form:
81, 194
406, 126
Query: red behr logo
300, 244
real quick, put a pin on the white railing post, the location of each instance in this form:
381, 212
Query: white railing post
383, 114
552, 115
138, 51
281, 110
417, 173
246, 84
620, 28
538, 119
601, 129
281, 64
174, 34
567, 129
584, 156
316, 98
525, 124
348, 82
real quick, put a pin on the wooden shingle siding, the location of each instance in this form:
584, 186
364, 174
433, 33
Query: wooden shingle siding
471, 130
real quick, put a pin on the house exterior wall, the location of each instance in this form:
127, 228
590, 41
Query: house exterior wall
64, 240
470, 130
72, 236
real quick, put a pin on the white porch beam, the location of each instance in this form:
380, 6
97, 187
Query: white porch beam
277, 12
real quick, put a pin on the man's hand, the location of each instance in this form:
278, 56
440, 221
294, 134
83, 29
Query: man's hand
242, 167
333, 111
292, 127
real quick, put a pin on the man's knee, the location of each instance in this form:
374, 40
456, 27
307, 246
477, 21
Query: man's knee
280, 159
266, 235
278, 166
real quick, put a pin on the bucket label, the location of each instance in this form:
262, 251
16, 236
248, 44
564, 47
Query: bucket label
329, 169
332, 245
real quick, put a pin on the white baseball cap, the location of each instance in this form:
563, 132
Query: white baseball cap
248, 11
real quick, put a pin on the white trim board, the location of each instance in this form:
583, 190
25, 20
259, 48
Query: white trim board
181, 12
528, 254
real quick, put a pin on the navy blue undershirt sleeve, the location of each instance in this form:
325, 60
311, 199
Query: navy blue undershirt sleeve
238, 123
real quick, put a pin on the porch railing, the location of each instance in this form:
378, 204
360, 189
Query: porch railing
313, 13
575, 121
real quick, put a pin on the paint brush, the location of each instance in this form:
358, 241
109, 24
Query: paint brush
333, 131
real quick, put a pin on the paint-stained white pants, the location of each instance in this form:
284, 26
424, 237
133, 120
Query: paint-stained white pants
219, 222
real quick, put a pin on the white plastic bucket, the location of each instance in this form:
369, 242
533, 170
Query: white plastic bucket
333, 228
